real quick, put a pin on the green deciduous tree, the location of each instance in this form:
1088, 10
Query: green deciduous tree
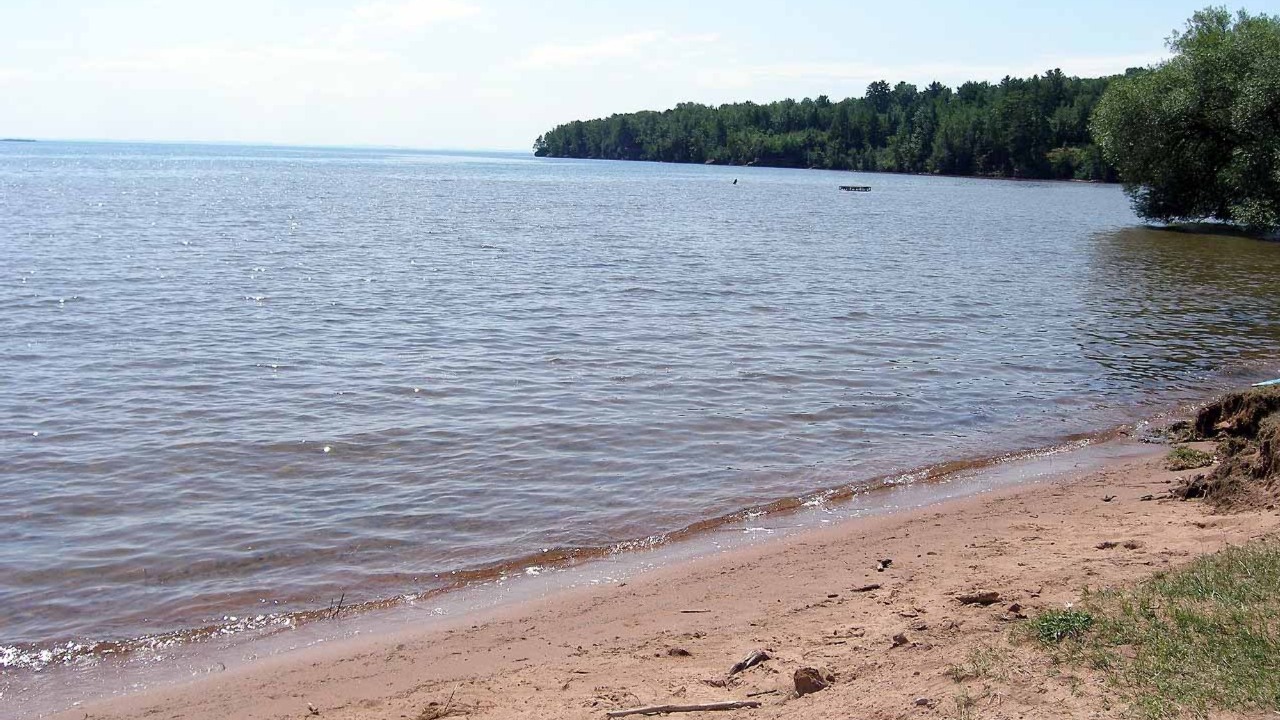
1198, 137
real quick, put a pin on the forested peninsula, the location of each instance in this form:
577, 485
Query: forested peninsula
1021, 128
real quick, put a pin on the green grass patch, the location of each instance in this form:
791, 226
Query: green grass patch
1184, 643
1055, 626
1187, 458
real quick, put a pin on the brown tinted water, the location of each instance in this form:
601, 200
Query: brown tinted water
239, 383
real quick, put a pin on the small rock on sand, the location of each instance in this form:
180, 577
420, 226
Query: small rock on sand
811, 680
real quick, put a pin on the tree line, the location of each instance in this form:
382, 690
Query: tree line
1036, 127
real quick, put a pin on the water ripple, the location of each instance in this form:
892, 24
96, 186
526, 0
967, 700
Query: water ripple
239, 382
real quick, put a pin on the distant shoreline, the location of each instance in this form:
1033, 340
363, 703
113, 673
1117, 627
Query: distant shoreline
22, 140
1077, 181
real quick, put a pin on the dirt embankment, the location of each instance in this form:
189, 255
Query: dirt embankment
1246, 426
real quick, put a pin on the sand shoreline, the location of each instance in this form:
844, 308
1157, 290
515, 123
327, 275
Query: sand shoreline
189, 651
240, 626
581, 652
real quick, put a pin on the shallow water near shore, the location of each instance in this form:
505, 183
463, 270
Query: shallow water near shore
241, 383
65, 685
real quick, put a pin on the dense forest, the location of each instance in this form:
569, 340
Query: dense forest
1026, 128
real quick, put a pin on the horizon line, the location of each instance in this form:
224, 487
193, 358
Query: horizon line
260, 143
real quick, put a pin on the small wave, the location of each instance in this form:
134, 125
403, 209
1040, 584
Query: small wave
36, 657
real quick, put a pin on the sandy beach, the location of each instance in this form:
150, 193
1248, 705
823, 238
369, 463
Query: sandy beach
817, 599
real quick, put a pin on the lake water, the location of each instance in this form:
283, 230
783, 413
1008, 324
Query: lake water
237, 383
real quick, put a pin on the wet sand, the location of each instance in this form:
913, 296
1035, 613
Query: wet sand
582, 652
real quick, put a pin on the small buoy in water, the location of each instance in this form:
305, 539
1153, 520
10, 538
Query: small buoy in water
327, 448
735, 181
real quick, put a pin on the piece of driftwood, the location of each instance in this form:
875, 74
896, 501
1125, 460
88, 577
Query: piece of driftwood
694, 612
434, 711
979, 598
703, 707
755, 658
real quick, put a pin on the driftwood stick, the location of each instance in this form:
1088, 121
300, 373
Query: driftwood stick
755, 658
449, 703
659, 709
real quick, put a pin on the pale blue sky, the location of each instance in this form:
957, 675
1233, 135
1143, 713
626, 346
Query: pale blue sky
493, 74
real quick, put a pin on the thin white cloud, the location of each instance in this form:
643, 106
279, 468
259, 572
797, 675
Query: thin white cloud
1097, 66
286, 75
15, 75
384, 18
628, 46
344, 60
766, 77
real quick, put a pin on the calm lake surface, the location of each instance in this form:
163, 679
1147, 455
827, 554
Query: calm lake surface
237, 382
